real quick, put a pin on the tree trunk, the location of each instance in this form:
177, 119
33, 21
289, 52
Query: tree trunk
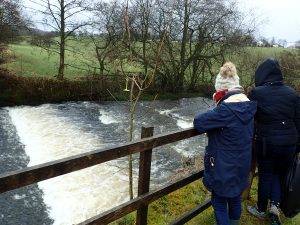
145, 31
100, 61
61, 69
131, 130
184, 40
194, 76
102, 68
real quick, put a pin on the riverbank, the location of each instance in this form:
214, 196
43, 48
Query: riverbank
19, 90
168, 208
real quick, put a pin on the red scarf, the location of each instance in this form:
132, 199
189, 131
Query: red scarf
218, 95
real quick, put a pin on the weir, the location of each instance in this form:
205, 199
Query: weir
20, 178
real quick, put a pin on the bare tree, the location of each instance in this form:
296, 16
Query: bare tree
138, 82
282, 42
201, 33
63, 17
108, 28
11, 20
141, 25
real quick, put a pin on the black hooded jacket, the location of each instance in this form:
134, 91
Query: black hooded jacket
278, 106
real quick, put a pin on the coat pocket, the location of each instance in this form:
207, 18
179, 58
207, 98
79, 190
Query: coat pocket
209, 169
209, 160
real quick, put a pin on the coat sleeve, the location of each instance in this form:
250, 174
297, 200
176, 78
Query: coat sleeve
251, 95
297, 121
210, 120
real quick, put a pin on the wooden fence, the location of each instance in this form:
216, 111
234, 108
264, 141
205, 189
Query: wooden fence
30, 175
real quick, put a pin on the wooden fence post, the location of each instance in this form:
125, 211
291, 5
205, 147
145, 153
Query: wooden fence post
144, 176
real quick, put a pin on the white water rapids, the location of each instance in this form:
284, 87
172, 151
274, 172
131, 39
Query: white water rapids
49, 132
77, 196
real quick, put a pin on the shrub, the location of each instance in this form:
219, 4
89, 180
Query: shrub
290, 65
42, 40
17, 90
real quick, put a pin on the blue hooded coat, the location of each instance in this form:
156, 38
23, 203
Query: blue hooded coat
278, 106
227, 158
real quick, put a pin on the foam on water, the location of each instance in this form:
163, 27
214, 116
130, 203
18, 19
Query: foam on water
18, 197
164, 112
184, 124
77, 196
106, 118
181, 121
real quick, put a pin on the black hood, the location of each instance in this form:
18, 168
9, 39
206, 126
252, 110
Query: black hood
268, 72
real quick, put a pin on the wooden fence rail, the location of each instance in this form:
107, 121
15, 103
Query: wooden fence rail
128, 207
30, 175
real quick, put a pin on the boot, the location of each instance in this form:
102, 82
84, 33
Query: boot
274, 213
255, 212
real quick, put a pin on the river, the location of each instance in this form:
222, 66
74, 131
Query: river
33, 135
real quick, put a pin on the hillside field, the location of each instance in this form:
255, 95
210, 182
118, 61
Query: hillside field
28, 60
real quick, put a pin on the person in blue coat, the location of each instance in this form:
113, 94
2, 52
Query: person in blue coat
227, 160
277, 134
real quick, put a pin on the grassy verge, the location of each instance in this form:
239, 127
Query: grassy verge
168, 208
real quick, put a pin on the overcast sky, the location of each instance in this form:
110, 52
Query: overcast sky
281, 18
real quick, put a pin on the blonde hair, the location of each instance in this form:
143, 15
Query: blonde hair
228, 70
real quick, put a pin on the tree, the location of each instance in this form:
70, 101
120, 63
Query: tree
142, 25
11, 20
265, 42
282, 42
62, 16
138, 82
273, 42
200, 34
108, 28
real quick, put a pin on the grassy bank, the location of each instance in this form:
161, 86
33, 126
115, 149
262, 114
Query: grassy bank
167, 209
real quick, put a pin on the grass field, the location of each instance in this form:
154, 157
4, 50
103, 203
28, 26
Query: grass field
28, 60
34, 61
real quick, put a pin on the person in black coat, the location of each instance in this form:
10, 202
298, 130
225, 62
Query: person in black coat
277, 135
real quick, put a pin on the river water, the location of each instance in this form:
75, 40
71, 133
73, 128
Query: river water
33, 135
